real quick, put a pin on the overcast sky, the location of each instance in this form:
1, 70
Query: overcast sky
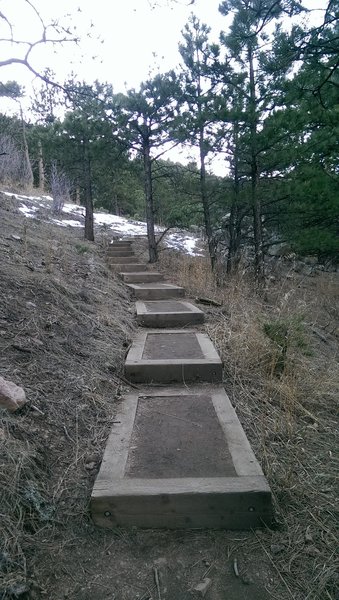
134, 39
122, 41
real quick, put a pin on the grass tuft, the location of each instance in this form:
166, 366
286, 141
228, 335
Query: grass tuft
280, 354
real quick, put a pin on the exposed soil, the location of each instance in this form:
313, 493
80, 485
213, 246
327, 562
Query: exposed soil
172, 346
178, 437
169, 306
66, 323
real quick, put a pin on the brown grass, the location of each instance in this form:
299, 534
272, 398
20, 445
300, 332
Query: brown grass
290, 417
65, 325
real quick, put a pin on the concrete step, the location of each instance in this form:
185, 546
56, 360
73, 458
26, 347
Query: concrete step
168, 313
156, 291
121, 260
122, 243
115, 252
128, 267
142, 277
170, 356
179, 458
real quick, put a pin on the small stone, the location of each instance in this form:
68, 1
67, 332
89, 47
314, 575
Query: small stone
12, 396
277, 548
160, 562
247, 580
308, 536
18, 590
90, 465
312, 551
30, 305
203, 587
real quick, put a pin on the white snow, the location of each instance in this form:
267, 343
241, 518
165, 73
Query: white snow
73, 208
178, 240
28, 211
67, 222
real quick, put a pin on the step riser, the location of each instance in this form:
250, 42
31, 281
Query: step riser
142, 278
120, 247
125, 268
170, 320
120, 244
116, 260
199, 372
161, 294
113, 253
215, 511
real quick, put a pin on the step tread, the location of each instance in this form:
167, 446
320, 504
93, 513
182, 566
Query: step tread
133, 488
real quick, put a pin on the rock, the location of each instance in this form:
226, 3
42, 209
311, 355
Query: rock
312, 551
203, 587
308, 536
18, 590
90, 465
160, 562
311, 260
281, 249
30, 305
12, 396
277, 548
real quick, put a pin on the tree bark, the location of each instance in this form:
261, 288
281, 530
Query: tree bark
235, 215
41, 168
255, 198
77, 195
152, 245
204, 200
89, 221
28, 166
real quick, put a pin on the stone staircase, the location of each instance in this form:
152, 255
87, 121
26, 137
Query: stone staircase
177, 456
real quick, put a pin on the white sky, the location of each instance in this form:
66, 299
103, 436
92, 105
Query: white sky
134, 39
131, 33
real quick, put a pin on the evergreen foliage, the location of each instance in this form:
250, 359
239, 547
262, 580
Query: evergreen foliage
266, 99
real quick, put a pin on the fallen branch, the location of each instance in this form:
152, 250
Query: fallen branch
157, 582
208, 302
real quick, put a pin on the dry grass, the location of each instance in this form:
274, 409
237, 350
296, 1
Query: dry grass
64, 329
288, 413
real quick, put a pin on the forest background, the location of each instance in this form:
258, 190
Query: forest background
264, 100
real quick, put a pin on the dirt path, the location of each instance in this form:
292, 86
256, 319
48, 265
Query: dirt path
65, 326
121, 566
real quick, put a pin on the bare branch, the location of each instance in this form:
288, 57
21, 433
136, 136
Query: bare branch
2, 16
61, 35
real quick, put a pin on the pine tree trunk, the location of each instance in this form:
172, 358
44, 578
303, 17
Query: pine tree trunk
235, 223
29, 172
41, 168
152, 246
89, 221
255, 198
204, 200
77, 195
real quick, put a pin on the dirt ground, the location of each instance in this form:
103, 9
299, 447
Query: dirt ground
65, 326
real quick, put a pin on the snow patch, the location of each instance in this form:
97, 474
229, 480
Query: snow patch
28, 211
67, 223
122, 226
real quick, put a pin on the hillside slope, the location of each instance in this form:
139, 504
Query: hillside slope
65, 325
